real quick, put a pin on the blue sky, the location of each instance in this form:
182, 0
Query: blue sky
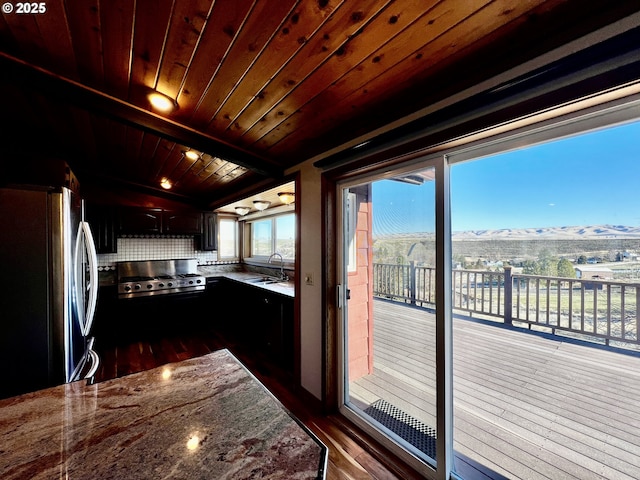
584, 180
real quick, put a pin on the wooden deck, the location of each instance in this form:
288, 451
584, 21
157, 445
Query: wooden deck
525, 405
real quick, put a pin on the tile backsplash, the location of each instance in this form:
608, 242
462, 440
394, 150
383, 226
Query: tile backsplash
156, 248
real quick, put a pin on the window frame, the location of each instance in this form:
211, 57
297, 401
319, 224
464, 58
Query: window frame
248, 230
236, 256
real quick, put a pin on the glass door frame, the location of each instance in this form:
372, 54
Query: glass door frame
442, 468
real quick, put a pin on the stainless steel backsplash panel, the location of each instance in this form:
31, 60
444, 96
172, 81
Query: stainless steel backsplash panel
152, 268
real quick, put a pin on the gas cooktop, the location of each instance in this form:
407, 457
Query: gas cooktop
159, 277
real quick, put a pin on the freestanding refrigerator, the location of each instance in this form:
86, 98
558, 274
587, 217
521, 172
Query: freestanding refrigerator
49, 289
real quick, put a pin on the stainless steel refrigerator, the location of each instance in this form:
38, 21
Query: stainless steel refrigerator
49, 289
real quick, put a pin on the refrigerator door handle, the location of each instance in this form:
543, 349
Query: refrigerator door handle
93, 279
87, 368
90, 376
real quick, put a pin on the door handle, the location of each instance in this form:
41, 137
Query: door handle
340, 295
93, 278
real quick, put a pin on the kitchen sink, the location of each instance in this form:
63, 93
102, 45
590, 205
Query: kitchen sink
264, 280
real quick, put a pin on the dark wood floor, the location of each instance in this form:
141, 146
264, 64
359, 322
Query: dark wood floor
348, 458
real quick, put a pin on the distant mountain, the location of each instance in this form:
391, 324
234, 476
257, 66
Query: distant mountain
590, 232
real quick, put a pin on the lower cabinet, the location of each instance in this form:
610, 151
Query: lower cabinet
251, 317
272, 320
254, 317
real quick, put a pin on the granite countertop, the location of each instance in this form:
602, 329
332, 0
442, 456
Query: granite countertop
248, 278
203, 418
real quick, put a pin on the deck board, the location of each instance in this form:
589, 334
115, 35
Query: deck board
525, 405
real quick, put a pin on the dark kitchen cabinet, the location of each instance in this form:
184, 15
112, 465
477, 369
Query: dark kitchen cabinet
217, 298
137, 221
103, 222
253, 318
182, 222
266, 323
156, 221
209, 239
275, 330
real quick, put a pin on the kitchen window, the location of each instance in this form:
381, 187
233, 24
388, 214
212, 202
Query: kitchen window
273, 234
228, 238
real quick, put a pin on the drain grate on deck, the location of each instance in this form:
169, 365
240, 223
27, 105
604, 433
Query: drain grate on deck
404, 425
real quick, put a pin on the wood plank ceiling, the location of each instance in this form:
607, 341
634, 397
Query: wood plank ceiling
261, 86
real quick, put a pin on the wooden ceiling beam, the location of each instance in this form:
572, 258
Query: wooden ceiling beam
87, 98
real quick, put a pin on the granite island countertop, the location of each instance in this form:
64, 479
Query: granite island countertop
203, 418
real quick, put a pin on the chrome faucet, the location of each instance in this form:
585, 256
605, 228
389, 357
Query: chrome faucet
282, 276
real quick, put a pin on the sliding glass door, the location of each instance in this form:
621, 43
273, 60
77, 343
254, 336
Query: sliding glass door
388, 298
510, 348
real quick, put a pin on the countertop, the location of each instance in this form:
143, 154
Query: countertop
203, 418
108, 278
248, 278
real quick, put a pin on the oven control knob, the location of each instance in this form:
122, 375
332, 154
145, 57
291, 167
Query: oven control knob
161, 285
137, 286
190, 282
149, 286
127, 288
170, 284
198, 281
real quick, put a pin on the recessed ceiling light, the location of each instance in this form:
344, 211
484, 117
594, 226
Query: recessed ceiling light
166, 183
192, 155
162, 102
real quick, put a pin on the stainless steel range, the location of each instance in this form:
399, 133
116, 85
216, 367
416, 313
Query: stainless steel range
159, 277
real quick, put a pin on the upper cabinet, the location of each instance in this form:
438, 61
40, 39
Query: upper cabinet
133, 221
109, 222
182, 223
137, 221
209, 240
156, 221
102, 219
